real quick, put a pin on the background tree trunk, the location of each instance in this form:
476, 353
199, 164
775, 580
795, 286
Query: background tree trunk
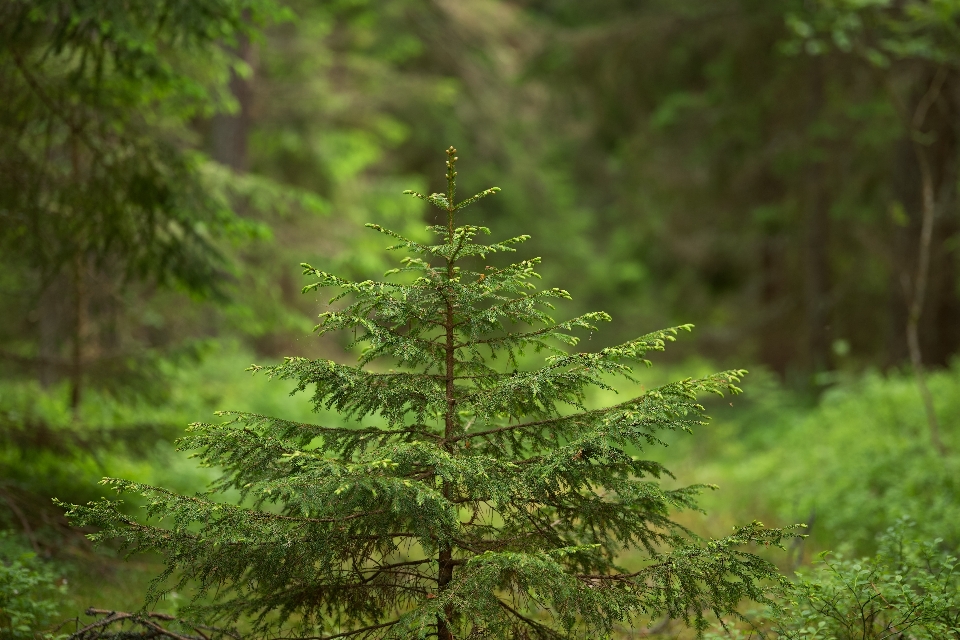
49, 313
229, 131
816, 223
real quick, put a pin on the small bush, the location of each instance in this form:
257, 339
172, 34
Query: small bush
909, 589
29, 595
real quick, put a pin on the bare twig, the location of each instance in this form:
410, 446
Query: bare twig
347, 634
928, 99
99, 629
918, 287
918, 293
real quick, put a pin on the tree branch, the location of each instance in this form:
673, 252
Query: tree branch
918, 288
346, 634
542, 628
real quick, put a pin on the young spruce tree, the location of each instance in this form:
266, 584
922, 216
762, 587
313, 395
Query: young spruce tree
491, 503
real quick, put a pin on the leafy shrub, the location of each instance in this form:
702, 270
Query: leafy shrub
29, 595
854, 464
908, 589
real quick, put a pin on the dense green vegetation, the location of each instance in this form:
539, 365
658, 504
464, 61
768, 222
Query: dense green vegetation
782, 173
30, 599
492, 502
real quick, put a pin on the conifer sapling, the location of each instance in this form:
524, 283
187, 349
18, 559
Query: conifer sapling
469, 496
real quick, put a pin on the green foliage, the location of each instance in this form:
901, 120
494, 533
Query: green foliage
99, 99
45, 452
711, 153
491, 502
29, 595
103, 193
908, 589
657, 152
41, 441
44, 449
850, 466
104, 196
880, 31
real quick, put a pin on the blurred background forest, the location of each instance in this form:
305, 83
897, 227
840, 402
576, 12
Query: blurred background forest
782, 173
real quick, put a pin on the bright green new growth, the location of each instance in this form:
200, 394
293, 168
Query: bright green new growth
492, 504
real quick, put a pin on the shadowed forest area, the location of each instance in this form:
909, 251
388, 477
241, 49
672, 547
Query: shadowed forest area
782, 174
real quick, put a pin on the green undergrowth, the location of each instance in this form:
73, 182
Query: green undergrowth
850, 466
909, 588
31, 593
47, 453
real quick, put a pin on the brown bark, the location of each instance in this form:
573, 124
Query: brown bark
945, 284
229, 132
446, 565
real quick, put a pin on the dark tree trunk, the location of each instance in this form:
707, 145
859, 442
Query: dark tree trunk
50, 311
79, 300
777, 335
229, 132
942, 313
816, 231
79, 333
905, 228
945, 288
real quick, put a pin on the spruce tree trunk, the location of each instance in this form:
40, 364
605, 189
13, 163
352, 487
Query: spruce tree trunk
903, 247
445, 570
